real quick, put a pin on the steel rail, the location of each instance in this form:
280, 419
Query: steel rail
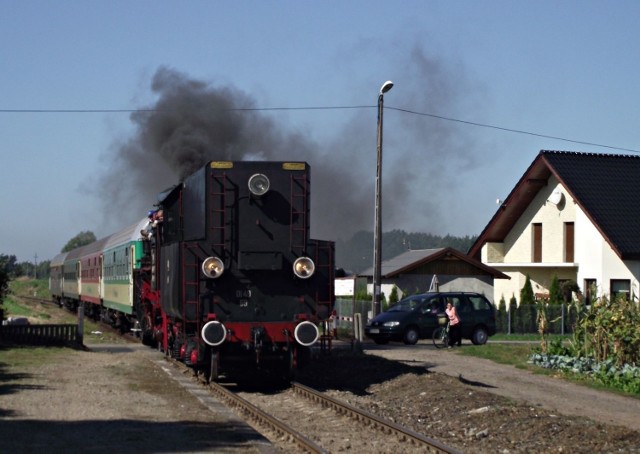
368, 418
264, 419
38, 299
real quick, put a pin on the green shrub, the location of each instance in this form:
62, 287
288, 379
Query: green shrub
624, 378
610, 329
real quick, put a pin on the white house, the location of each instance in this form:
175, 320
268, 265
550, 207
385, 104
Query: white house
572, 215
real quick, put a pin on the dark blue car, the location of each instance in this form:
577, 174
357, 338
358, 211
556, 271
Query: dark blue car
416, 316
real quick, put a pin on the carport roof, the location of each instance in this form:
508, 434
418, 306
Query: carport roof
414, 258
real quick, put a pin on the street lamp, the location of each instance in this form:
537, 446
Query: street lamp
377, 231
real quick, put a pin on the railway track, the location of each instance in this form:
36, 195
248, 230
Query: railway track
317, 423
37, 299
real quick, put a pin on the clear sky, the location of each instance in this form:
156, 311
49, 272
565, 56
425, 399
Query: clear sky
566, 69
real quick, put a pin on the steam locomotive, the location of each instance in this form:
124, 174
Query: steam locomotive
223, 275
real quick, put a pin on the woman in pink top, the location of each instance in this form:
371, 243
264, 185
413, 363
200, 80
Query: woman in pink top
455, 335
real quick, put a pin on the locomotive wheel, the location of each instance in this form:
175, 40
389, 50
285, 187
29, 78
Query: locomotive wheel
288, 366
123, 325
214, 372
146, 333
303, 357
175, 349
148, 337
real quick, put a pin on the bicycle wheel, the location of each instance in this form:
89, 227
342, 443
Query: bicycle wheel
440, 337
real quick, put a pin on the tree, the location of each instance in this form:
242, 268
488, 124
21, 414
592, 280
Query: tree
4, 285
526, 292
513, 307
555, 293
81, 239
393, 298
567, 289
501, 316
9, 263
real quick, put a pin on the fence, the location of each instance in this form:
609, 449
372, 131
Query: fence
521, 320
346, 307
41, 334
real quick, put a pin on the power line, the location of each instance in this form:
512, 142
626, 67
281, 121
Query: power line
237, 109
517, 131
267, 109
55, 111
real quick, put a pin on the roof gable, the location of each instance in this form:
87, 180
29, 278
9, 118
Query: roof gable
605, 186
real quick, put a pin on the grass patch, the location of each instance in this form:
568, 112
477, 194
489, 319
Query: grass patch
533, 337
17, 306
25, 357
14, 309
38, 288
511, 354
517, 355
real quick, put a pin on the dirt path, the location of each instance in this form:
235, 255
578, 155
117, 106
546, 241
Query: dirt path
539, 390
119, 399
115, 398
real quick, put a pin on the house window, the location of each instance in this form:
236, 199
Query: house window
620, 288
568, 242
590, 290
537, 243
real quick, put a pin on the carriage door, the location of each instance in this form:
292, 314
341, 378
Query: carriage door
100, 281
78, 277
130, 266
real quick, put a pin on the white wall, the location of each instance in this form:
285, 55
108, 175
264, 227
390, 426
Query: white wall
517, 249
599, 261
518, 242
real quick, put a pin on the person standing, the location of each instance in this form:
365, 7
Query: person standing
455, 335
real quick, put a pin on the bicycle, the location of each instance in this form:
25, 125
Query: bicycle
441, 333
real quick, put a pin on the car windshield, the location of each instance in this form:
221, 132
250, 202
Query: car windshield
406, 305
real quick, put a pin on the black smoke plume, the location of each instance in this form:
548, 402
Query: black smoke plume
193, 122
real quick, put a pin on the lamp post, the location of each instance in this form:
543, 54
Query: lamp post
377, 231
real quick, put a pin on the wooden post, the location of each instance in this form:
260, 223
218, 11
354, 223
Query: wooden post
80, 333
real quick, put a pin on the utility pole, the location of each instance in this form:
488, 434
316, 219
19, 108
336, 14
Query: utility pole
35, 266
377, 229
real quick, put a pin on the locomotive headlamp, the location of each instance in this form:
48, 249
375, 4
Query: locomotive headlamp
304, 267
212, 267
258, 184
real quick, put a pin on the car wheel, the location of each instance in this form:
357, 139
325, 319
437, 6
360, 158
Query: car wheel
479, 336
381, 341
411, 336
